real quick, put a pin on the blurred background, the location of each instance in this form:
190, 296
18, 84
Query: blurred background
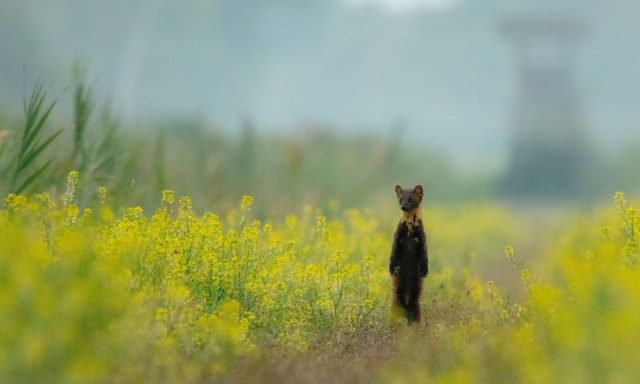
316, 101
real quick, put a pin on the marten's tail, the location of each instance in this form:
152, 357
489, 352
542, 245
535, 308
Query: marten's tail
412, 312
407, 297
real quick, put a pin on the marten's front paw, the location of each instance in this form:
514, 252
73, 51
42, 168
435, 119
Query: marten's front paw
424, 272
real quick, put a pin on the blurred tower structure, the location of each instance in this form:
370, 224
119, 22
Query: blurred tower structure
548, 143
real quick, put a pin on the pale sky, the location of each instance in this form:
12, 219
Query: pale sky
401, 6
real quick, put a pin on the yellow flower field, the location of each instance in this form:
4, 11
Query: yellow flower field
171, 296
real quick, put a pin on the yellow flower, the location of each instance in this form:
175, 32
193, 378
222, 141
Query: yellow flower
72, 213
168, 196
72, 182
102, 194
337, 256
185, 204
509, 252
321, 223
15, 201
250, 233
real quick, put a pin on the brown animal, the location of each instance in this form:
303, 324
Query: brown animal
409, 261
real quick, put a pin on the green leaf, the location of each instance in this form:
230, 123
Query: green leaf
31, 156
31, 178
38, 127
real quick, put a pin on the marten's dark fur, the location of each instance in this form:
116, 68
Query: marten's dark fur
409, 261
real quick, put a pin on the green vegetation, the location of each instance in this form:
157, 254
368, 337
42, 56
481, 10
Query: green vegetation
107, 280
31, 146
315, 166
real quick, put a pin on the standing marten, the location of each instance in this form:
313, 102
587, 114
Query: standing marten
409, 262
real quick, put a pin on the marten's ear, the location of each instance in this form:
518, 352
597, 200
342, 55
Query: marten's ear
398, 190
418, 191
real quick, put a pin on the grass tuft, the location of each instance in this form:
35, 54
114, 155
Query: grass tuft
32, 144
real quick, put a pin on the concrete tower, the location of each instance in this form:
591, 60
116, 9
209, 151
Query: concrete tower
548, 144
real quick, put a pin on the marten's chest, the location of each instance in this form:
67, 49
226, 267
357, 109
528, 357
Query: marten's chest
410, 234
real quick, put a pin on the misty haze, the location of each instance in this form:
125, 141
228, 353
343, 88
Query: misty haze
443, 69
517, 99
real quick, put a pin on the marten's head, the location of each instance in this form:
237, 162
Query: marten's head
409, 199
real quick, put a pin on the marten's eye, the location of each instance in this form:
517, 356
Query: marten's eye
400, 201
411, 200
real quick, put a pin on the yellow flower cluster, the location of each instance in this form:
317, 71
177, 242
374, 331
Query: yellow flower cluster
174, 296
123, 296
580, 323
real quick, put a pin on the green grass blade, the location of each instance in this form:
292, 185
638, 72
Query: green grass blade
39, 125
31, 116
31, 156
103, 163
30, 148
83, 109
4, 170
35, 96
31, 178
